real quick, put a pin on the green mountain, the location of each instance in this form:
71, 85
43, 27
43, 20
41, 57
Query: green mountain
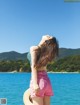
12, 55
69, 61
64, 52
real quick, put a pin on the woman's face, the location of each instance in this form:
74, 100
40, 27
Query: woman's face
44, 38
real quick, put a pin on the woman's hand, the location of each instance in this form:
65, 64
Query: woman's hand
36, 88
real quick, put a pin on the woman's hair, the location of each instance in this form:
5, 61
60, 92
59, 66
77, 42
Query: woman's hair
47, 52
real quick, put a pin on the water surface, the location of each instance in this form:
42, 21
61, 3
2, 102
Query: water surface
66, 88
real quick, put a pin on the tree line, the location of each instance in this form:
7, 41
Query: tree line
11, 65
67, 64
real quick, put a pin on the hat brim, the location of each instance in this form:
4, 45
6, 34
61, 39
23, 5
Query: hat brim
26, 99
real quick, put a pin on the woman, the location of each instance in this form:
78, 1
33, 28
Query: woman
41, 55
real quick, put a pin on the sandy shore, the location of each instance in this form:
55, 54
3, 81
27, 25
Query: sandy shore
63, 72
47, 72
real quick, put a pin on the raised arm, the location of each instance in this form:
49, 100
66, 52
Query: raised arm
33, 51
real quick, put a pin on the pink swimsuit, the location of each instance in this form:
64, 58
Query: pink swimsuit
44, 85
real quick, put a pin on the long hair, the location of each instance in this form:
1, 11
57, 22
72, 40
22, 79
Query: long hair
47, 52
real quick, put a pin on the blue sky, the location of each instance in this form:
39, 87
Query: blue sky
24, 22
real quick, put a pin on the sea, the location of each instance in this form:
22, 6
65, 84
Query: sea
66, 87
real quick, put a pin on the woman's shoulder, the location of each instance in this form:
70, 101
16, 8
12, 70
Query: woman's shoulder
33, 48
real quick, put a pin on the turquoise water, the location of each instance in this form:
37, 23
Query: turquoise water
66, 88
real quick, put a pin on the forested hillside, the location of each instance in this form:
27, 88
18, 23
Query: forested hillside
67, 64
68, 61
64, 52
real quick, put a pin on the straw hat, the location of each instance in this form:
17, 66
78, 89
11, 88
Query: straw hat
26, 99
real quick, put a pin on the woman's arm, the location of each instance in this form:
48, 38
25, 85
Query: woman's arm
33, 51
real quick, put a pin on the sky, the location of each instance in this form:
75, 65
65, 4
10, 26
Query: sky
24, 22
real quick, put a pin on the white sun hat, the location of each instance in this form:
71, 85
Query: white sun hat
26, 98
